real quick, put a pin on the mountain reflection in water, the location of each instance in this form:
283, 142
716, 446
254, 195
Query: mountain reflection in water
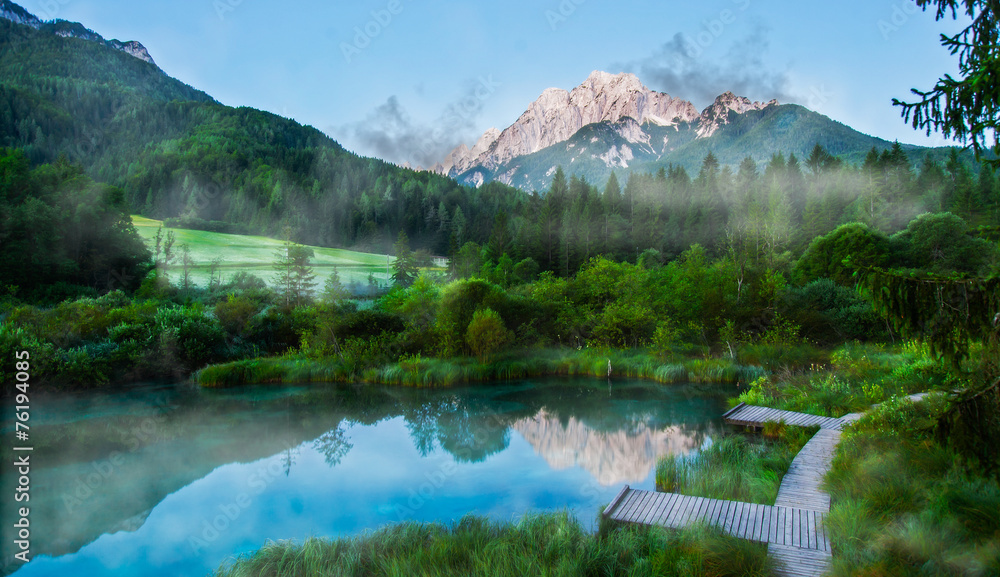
146, 469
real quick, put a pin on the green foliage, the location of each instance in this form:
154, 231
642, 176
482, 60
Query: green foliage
904, 502
295, 275
966, 107
545, 544
486, 333
404, 267
61, 234
234, 314
942, 244
736, 468
948, 314
333, 289
830, 313
838, 254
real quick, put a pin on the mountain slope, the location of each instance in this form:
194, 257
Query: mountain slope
625, 136
176, 152
557, 115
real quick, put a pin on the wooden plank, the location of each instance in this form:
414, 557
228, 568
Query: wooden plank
720, 514
772, 536
741, 526
733, 410
720, 517
628, 512
627, 502
705, 510
754, 525
751, 414
765, 524
811, 541
787, 514
618, 497
688, 513
747, 530
640, 509
732, 517
706, 513
651, 504
617, 511
796, 527
682, 504
664, 514
654, 512
658, 511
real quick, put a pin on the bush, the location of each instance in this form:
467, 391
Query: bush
486, 333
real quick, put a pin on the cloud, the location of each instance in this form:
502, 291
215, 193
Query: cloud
681, 68
390, 133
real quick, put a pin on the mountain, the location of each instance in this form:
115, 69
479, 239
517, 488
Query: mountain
613, 122
66, 93
65, 29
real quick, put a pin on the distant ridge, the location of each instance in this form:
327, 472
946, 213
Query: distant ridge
614, 122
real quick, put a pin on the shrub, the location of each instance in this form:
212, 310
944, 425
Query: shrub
486, 333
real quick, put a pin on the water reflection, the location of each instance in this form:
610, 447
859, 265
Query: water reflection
152, 469
613, 458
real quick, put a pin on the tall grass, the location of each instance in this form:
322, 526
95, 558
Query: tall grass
737, 468
856, 377
904, 503
432, 372
549, 544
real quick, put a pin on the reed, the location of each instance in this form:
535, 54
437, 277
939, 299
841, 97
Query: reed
536, 544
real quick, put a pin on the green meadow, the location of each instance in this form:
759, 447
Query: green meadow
256, 255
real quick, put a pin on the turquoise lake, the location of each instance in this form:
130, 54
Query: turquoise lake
173, 480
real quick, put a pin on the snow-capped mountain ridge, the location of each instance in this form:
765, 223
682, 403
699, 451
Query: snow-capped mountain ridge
558, 114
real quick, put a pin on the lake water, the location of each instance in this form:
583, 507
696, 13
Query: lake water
173, 480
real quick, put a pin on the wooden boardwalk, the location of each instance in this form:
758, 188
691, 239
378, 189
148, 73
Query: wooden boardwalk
798, 528
754, 416
802, 485
792, 528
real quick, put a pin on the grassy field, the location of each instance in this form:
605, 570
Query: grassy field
256, 254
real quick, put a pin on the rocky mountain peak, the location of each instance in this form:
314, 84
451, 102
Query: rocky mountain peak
556, 115
66, 29
18, 15
717, 114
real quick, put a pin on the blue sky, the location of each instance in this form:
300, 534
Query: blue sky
407, 80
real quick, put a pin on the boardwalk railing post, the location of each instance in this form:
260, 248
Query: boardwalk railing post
614, 502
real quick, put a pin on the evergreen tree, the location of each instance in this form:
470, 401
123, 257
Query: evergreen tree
295, 275
404, 267
333, 289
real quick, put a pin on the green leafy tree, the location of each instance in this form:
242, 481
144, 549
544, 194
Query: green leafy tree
968, 107
838, 254
941, 244
486, 333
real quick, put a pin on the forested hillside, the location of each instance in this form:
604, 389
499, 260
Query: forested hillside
175, 152
744, 213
